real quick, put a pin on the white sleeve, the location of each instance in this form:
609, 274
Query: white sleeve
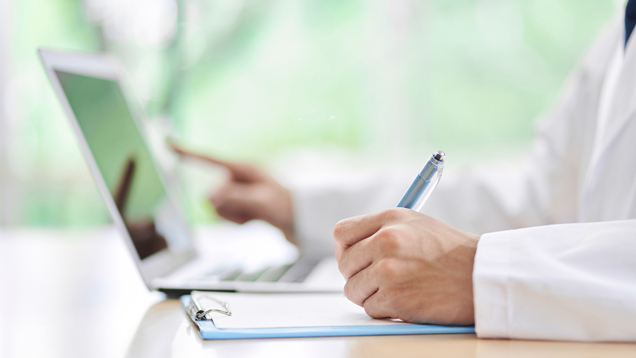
545, 187
558, 282
318, 209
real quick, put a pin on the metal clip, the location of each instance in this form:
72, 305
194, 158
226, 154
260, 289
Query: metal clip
198, 313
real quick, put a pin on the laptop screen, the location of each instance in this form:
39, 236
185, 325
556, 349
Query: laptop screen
125, 163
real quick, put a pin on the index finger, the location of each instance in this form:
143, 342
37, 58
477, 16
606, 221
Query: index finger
187, 153
349, 231
240, 171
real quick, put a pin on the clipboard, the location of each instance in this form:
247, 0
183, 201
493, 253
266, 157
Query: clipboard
200, 316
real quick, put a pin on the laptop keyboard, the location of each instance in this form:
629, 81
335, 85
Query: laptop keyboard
274, 274
267, 274
296, 272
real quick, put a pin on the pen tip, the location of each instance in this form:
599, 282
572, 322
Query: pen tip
439, 155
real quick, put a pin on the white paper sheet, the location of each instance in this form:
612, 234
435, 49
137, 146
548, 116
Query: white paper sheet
289, 310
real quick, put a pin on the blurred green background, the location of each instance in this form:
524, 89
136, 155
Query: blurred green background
356, 82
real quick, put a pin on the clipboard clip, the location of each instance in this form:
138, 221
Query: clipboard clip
198, 313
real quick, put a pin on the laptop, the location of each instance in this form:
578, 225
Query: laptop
141, 206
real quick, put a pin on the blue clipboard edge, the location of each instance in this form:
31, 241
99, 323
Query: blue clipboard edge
207, 330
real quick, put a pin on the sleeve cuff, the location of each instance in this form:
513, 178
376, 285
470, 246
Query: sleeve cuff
490, 285
312, 229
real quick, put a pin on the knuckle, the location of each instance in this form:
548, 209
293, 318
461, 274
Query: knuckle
389, 295
393, 296
390, 214
386, 268
350, 292
371, 306
348, 289
342, 267
340, 228
347, 271
388, 239
370, 311
393, 214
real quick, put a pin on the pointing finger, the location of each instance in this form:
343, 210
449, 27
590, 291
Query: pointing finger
187, 153
239, 171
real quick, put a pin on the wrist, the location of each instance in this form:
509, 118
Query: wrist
473, 254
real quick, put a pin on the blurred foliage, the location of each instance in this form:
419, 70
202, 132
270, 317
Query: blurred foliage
254, 79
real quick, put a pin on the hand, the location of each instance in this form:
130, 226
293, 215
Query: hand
248, 194
402, 264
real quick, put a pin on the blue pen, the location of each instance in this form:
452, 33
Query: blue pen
424, 183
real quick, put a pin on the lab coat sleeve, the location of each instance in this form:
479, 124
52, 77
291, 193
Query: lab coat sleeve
543, 189
483, 199
557, 282
545, 186
317, 209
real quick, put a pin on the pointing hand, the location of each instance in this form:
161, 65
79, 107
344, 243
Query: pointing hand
248, 194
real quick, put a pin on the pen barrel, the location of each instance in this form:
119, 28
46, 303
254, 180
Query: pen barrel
423, 185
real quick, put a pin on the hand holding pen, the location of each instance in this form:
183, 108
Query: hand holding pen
399, 263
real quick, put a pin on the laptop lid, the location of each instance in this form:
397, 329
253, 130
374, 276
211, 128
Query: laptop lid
88, 86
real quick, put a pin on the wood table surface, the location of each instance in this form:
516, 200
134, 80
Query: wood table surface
182, 340
76, 293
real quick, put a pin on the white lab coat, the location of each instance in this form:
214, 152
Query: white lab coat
557, 258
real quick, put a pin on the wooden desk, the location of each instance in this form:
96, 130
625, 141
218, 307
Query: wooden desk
182, 340
56, 281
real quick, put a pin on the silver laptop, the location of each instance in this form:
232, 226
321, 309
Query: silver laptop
142, 207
